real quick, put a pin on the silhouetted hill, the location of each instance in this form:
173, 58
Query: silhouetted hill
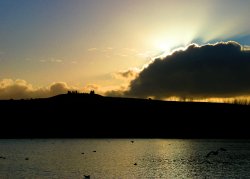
92, 115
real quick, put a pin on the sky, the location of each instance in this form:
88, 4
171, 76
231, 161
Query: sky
48, 47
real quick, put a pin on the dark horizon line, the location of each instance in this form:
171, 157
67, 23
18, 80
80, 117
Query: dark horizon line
235, 101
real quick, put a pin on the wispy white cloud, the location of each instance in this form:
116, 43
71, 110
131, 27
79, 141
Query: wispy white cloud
42, 61
28, 59
91, 49
56, 60
130, 49
107, 50
74, 62
122, 55
49, 60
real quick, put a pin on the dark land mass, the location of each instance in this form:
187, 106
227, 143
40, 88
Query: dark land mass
95, 116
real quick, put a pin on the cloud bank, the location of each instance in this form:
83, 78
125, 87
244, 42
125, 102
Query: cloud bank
20, 89
213, 70
129, 74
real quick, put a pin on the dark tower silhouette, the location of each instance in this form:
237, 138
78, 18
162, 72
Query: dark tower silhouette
92, 92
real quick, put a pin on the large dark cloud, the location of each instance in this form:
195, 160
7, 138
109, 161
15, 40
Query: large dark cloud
218, 70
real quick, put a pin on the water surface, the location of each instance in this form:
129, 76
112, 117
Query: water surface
121, 158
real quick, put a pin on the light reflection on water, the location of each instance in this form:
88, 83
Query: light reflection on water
120, 158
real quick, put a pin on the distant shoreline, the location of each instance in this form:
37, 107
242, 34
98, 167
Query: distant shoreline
95, 116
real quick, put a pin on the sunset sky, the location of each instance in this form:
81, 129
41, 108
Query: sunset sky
49, 46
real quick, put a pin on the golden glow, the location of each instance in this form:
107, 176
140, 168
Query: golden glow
94, 39
232, 100
166, 42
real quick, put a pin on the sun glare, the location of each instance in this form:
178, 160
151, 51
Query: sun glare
163, 46
166, 46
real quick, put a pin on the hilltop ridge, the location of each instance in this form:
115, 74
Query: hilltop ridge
93, 115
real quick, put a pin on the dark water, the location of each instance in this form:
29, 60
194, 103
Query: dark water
120, 158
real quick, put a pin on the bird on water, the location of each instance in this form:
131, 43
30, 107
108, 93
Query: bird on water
215, 152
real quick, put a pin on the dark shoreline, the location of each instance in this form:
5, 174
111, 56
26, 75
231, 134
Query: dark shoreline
95, 116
